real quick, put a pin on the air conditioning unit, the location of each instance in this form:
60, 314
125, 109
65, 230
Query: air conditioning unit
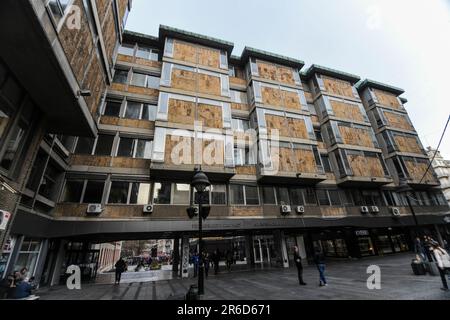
395, 212
285, 210
94, 208
364, 209
375, 209
196, 208
300, 209
148, 208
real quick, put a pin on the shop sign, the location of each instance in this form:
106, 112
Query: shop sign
4, 219
361, 233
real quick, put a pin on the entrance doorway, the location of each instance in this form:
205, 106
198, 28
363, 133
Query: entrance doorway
264, 250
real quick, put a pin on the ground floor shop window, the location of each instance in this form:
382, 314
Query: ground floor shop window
4, 257
28, 255
366, 246
384, 245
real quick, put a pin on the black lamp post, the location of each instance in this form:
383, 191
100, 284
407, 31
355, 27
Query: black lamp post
200, 182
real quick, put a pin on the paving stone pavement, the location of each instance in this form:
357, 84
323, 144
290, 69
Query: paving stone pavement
347, 280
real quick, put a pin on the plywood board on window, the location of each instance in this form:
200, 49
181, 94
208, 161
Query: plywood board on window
417, 170
287, 161
123, 162
184, 79
247, 211
291, 100
238, 81
125, 58
346, 110
315, 119
89, 160
119, 87
143, 91
210, 116
213, 153
365, 166
309, 97
240, 106
279, 123
132, 123
267, 70
387, 99
148, 63
337, 86
286, 75
246, 170
209, 57
407, 144
181, 111
185, 51
306, 162
209, 84
271, 96
356, 136
297, 128
397, 121
179, 150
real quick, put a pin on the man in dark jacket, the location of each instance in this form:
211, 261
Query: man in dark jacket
120, 268
319, 260
298, 263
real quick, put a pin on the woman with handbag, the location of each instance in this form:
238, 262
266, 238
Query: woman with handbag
443, 262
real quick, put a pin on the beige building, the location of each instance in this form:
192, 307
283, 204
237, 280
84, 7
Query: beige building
442, 169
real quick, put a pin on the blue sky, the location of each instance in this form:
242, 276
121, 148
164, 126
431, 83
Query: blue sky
405, 43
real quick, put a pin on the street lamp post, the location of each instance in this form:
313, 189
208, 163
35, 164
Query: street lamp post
200, 182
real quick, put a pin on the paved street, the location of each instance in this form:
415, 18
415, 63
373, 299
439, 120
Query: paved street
347, 280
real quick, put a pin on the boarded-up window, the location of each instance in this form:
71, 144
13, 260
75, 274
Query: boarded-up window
184, 79
346, 110
397, 120
211, 116
365, 166
338, 87
387, 99
356, 136
181, 111
407, 144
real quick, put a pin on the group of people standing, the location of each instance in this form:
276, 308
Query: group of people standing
212, 260
17, 285
319, 260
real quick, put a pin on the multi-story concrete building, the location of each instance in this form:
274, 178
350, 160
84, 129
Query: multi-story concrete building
310, 158
442, 169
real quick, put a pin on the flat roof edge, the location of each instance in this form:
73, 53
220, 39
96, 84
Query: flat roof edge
271, 57
330, 72
378, 85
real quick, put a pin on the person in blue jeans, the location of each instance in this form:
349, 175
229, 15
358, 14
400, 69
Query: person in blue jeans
319, 260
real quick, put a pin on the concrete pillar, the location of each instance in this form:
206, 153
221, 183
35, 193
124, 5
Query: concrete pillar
185, 257
58, 263
176, 255
301, 247
14, 255
284, 251
249, 253
280, 249
41, 261
439, 235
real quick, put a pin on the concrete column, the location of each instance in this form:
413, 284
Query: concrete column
280, 249
439, 235
176, 255
58, 263
185, 257
284, 251
301, 247
41, 262
249, 253
14, 255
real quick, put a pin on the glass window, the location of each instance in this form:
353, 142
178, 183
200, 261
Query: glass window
119, 192
93, 192
161, 194
112, 108
120, 76
296, 196
181, 193
218, 194
125, 148
13, 146
73, 190
153, 82
126, 49
50, 181
140, 193
310, 197
334, 197
133, 110
55, 9
283, 196
4, 120
237, 194
149, 112
322, 196
326, 163
139, 79
104, 145
269, 195
84, 145
251, 195
143, 53
144, 149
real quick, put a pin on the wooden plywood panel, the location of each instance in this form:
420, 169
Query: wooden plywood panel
181, 111
119, 87
209, 57
407, 144
309, 97
338, 87
209, 84
184, 79
148, 63
247, 211
125, 58
185, 51
287, 160
315, 119
143, 91
279, 123
211, 116
333, 211
238, 81
132, 123
286, 75
387, 99
246, 170
365, 166
178, 150
267, 71
271, 96
213, 153
89, 160
122, 162
346, 110
297, 128
305, 161
291, 100
240, 106
397, 121
356, 136
417, 170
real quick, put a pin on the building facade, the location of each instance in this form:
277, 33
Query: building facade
442, 169
297, 156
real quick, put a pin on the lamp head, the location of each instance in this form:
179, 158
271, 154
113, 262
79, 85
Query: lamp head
200, 181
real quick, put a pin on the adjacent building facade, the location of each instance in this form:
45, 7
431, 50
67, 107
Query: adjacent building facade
442, 169
104, 146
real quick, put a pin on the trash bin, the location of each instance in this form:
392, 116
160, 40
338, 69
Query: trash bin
192, 294
418, 268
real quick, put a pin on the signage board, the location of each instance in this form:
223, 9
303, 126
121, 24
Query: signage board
4, 219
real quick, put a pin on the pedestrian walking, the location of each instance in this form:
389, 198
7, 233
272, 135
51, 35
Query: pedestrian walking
196, 261
443, 262
229, 257
319, 260
206, 261
216, 261
298, 264
120, 268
